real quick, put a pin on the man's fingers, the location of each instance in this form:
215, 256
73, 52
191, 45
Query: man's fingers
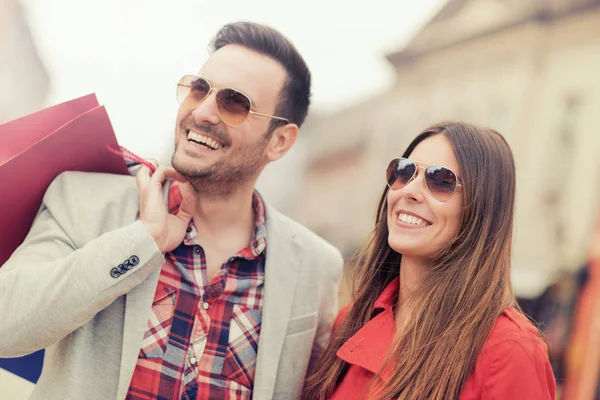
188, 202
172, 174
143, 177
161, 174
187, 190
154, 162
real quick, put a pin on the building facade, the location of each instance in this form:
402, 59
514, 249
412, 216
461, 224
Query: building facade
525, 68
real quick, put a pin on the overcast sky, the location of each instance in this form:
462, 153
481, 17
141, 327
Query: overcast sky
131, 53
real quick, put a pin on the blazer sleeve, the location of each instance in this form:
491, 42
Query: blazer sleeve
340, 317
51, 286
520, 369
328, 306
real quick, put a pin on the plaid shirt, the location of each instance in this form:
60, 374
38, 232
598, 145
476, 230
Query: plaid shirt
202, 338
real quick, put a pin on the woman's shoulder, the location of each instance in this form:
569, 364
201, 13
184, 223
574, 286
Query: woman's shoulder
512, 325
514, 360
513, 333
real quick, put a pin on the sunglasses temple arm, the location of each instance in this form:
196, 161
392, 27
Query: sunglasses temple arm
269, 116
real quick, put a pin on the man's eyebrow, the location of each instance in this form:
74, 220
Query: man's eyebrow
218, 86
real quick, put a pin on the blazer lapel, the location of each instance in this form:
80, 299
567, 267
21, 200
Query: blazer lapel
138, 304
281, 274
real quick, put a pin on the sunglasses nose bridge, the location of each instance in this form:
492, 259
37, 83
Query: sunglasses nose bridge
415, 176
415, 185
203, 110
210, 90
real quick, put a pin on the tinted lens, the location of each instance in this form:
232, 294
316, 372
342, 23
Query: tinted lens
441, 182
233, 106
191, 90
400, 172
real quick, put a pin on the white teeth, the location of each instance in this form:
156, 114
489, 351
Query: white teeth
209, 142
411, 219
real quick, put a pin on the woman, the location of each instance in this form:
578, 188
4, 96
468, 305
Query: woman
433, 315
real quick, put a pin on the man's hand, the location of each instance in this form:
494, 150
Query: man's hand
167, 230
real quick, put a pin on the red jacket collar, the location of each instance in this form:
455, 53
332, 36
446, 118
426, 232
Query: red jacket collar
369, 347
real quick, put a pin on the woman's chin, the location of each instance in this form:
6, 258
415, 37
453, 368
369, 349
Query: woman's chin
411, 249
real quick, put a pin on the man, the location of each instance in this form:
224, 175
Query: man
182, 283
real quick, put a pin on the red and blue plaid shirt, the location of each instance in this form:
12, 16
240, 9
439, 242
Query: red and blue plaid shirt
202, 338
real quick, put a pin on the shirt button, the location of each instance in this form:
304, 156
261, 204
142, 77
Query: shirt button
197, 250
205, 305
193, 360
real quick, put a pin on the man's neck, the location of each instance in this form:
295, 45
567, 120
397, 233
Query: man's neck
222, 215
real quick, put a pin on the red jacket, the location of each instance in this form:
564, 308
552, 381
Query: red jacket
513, 363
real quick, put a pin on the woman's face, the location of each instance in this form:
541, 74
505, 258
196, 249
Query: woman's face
418, 224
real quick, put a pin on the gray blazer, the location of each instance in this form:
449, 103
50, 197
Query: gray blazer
57, 292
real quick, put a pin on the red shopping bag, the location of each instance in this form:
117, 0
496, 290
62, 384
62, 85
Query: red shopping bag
72, 136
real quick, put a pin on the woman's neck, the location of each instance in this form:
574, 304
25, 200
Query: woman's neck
412, 271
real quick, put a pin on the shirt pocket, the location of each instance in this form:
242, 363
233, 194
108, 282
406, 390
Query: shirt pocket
159, 324
244, 331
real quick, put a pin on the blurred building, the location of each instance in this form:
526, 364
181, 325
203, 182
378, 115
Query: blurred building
24, 82
280, 182
529, 69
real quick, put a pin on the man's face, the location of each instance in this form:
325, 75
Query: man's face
240, 154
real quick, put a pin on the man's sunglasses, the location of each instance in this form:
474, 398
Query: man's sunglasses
233, 106
441, 182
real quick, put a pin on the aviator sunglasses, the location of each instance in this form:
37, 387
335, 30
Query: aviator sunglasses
233, 106
441, 182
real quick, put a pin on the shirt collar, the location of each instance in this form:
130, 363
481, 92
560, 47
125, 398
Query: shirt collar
258, 243
369, 347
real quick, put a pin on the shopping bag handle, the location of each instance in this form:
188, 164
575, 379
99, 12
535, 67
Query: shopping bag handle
131, 156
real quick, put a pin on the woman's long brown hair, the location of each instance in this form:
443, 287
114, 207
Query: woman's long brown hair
465, 289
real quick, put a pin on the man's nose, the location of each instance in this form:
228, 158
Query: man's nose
206, 110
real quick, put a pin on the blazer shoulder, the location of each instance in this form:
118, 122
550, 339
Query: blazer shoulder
72, 185
92, 203
327, 254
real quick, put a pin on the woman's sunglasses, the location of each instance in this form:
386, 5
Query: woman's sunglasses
233, 106
441, 182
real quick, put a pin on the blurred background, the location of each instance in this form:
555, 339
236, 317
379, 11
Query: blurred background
383, 71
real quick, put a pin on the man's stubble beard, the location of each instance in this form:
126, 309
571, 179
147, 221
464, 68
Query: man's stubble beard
223, 178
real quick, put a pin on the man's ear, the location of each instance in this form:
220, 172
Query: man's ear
282, 139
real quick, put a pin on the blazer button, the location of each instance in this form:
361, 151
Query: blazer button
122, 268
127, 265
115, 273
134, 260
